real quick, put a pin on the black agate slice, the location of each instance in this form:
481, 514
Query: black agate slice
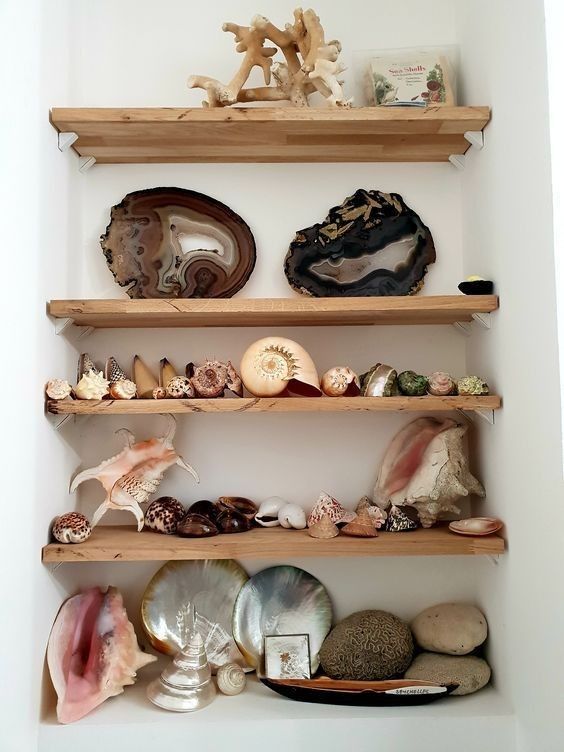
372, 244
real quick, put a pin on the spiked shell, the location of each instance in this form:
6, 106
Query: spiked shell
324, 529
92, 386
210, 379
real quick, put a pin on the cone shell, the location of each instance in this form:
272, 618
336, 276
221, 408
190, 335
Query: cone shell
362, 526
144, 379
325, 528
166, 372
114, 372
328, 505
275, 364
85, 364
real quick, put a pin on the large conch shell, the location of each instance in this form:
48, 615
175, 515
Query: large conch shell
426, 467
274, 365
92, 653
134, 474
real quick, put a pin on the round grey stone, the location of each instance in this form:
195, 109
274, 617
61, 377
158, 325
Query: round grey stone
452, 628
468, 671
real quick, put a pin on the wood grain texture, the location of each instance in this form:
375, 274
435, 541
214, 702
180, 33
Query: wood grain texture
126, 544
272, 405
302, 311
261, 134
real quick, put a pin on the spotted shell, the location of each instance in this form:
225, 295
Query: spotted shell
58, 389
179, 388
72, 527
210, 379
92, 386
164, 514
123, 389
159, 392
326, 504
441, 384
231, 679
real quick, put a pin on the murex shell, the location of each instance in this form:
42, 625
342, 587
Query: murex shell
143, 245
340, 381
164, 514
326, 504
92, 386
72, 527
273, 365
372, 244
231, 679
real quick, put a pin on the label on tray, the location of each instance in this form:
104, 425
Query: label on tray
416, 691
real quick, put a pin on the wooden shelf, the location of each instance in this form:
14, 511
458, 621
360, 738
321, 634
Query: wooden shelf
126, 544
303, 311
272, 405
260, 134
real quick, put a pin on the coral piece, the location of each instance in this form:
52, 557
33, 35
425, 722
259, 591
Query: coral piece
326, 504
276, 365
399, 521
377, 515
92, 386
146, 382
317, 70
114, 372
292, 516
72, 527
472, 385
452, 628
195, 525
362, 526
146, 246
412, 384
123, 389
340, 381
371, 244
92, 652
441, 384
179, 387
58, 389
379, 381
476, 286
231, 679
324, 528
134, 474
367, 646
468, 671
267, 515
164, 514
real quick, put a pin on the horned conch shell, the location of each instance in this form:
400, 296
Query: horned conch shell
92, 386
292, 515
274, 365
326, 504
340, 381
426, 466
134, 474
58, 389
124, 389
92, 652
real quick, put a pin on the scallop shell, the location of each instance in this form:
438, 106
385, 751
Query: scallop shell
325, 528
72, 527
179, 388
292, 516
267, 515
275, 364
362, 526
441, 384
92, 386
340, 381
231, 679
58, 389
326, 504
124, 389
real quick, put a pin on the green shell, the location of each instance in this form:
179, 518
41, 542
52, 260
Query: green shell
412, 384
379, 381
472, 385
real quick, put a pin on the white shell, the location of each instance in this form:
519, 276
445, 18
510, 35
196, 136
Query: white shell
231, 679
292, 515
271, 365
58, 389
123, 389
92, 386
270, 508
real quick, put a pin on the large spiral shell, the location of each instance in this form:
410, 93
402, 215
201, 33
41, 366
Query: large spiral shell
274, 364
231, 679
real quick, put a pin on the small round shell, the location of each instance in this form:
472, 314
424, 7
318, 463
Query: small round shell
92, 386
72, 527
123, 389
58, 389
441, 384
231, 679
159, 392
340, 380
179, 388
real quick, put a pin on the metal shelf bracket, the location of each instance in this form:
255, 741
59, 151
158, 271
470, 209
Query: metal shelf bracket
58, 421
465, 327
458, 160
66, 140
475, 139
483, 319
85, 163
483, 413
68, 325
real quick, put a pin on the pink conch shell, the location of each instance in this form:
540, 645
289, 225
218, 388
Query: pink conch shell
332, 508
134, 474
92, 653
404, 455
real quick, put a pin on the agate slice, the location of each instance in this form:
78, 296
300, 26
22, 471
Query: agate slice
372, 244
92, 653
148, 250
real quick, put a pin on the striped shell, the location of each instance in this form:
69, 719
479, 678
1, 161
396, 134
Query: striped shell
231, 679
72, 527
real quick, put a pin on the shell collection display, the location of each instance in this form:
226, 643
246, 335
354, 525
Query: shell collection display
231, 679
130, 477
92, 652
340, 381
164, 514
275, 365
371, 244
72, 527
148, 231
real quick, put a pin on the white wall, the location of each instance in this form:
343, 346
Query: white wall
507, 209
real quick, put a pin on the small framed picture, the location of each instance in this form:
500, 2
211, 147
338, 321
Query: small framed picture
287, 656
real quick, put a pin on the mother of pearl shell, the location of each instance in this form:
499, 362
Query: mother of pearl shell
231, 679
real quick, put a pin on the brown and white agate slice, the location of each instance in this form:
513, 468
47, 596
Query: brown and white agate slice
148, 248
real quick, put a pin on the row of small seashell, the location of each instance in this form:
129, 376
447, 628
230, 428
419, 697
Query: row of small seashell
383, 381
